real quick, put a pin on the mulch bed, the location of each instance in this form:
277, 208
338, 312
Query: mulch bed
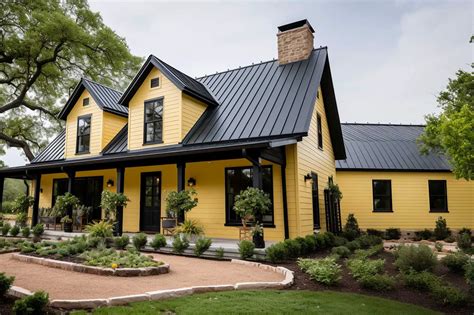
401, 293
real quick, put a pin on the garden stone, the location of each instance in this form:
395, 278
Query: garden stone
121, 300
78, 304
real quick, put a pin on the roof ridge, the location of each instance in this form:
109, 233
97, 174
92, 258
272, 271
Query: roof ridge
383, 124
103, 85
251, 65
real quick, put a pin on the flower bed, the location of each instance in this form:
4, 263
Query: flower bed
10, 245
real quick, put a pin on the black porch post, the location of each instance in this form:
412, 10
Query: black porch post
35, 212
257, 182
120, 190
2, 181
70, 189
181, 183
285, 201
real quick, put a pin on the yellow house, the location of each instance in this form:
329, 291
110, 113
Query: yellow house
272, 125
386, 182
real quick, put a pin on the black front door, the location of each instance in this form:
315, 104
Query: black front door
315, 197
150, 202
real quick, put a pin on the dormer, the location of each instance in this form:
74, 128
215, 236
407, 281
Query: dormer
93, 117
163, 104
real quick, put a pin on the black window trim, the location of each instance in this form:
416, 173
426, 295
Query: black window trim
77, 134
84, 101
151, 82
319, 131
445, 182
162, 120
227, 223
373, 196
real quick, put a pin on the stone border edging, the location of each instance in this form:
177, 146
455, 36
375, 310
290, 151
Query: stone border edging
171, 293
70, 266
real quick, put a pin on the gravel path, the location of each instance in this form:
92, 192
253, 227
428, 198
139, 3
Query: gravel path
184, 272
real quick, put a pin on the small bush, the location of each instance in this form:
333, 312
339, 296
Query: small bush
448, 295
304, 248
202, 244
330, 238
351, 228
450, 239
25, 232
465, 230
33, 304
101, 229
139, 240
353, 245
5, 283
158, 241
364, 267
418, 258
38, 230
469, 274
305, 263
341, 251
340, 241
6, 228
423, 235
375, 232
277, 252
311, 242
93, 242
15, 230
367, 241
180, 243
321, 242
422, 281
377, 282
293, 248
366, 253
220, 253
455, 262
392, 234
441, 230
246, 249
325, 271
463, 239
121, 242
438, 246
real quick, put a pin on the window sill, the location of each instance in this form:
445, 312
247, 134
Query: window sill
265, 225
439, 211
82, 153
154, 142
383, 211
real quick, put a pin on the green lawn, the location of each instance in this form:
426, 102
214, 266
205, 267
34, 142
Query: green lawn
269, 302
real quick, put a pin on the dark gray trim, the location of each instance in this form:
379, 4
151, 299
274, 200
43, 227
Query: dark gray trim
446, 210
373, 195
285, 201
35, 208
145, 122
77, 133
120, 190
339, 169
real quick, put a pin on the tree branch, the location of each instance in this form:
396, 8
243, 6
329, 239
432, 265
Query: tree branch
17, 143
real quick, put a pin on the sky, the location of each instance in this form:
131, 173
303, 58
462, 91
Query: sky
389, 59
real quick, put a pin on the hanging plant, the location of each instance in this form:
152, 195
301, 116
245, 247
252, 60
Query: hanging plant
334, 189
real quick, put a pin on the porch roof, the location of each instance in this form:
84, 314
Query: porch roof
170, 154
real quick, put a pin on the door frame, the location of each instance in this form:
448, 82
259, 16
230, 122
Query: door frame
142, 199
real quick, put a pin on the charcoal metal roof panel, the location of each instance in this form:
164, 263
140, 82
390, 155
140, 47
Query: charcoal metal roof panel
387, 147
119, 143
54, 151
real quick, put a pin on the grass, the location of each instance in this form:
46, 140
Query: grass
268, 302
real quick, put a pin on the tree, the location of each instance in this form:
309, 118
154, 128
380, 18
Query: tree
452, 131
46, 46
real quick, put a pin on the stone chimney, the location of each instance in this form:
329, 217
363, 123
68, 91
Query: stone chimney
295, 41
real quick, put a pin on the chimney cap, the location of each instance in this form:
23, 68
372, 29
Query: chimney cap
296, 24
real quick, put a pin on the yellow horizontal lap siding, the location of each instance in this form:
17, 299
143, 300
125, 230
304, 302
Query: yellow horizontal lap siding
410, 200
96, 127
312, 159
191, 111
171, 111
112, 124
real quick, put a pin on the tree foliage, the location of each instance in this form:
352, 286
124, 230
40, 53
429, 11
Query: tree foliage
452, 131
45, 47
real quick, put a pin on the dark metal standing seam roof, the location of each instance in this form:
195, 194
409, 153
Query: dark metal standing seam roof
387, 147
119, 143
54, 151
105, 97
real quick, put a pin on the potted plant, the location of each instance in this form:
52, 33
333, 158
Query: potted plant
61, 207
191, 228
253, 203
178, 204
109, 202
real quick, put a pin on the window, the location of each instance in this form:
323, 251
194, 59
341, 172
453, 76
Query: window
83, 134
382, 192
59, 189
153, 128
240, 178
320, 132
438, 196
155, 82
85, 101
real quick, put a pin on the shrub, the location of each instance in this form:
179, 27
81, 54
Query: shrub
121, 242
6, 228
15, 230
330, 238
465, 230
5, 283
158, 241
110, 201
180, 202
139, 240
351, 228
220, 253
364, 267
341, 251
421, 280
246, 249
455, 262
202, 245
448, 295
304, 248
180, 243
305, 263
424, 234
418, 258
124, 259
325, 271
367, 241
469, 274
252, 203
33, 304
25, 232
93, 242
438, 246
377, 282
464, 241
392, 234
340, 241
311, 242
277, 252
190, 227
321, 242
375, 232
293, 248
38, 230
353, 245
450, 239
101, 229
366, 253
441, 230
